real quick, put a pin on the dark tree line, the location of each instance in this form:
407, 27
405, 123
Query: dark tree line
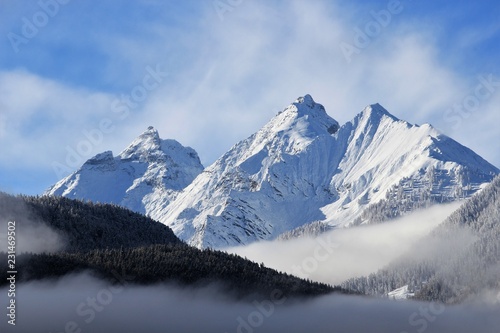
172, 263
108, 240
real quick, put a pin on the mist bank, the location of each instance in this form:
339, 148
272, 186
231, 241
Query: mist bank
340, 254
30, 233
83, 304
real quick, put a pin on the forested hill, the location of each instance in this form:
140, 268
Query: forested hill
116, 244
460, 259
84, 226
179, 264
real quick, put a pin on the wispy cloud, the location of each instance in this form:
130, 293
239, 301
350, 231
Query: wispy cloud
39, 114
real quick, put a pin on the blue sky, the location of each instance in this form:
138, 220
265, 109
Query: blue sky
221, 69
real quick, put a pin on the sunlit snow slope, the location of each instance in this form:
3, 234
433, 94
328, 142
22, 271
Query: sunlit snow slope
302, 167
147, 175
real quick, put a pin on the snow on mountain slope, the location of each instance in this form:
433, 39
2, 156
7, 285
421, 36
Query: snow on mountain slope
267, 184
384, 157
302, 167
147, 174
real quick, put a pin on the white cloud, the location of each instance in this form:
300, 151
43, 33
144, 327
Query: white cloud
41, 120
341, 254
40, 116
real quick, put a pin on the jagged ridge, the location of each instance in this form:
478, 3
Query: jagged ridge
302, 167
149, 173
299, 168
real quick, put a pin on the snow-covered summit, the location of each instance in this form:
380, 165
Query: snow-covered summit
390, 166
299, 168
146, 144
306, 107
377, 111
302, 167
147, 174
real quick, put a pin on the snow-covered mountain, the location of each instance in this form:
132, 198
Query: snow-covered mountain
144, 177
389, 165
302, 167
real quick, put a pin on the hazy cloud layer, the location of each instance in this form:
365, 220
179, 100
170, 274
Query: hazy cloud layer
32, 237
344, 253
82, 304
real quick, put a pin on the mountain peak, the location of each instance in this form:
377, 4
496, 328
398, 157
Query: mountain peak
149, 141
291, 172
306, 100
150, 134
306, 108
306, 104
146, 175
377, 111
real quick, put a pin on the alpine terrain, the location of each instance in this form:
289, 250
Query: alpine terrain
301, 167
457, 260
148, 174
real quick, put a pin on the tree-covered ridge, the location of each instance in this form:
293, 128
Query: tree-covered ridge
86, 226
313, 229
173, 263
460, 258
110, 242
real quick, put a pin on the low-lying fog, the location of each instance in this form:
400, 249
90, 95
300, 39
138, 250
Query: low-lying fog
83, 304
344, 253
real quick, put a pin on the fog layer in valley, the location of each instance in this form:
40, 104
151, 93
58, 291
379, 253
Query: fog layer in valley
344, 253
83, 304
